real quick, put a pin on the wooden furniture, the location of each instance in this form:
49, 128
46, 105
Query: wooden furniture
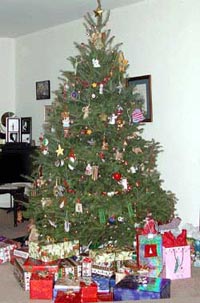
15, 167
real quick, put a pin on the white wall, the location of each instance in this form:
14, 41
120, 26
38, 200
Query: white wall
7, 75
160, 38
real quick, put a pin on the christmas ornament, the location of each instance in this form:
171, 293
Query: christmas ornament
93, 96
103, 117
88, 131
104, 144
74, 95
120, 219
86, 110
124, 183
137, 150
94, 84
72, 159
112, 119
137, 116
98, 39
95, 170
116, 176
120, 123
119, 110
132, 170
59, 151
46, 202
98, 11
67, 226
78, 206
101, 89
95, 63
52, 223
88, 170
102, 217
118, 155
122, 62
112, 220
65, 122
62, 202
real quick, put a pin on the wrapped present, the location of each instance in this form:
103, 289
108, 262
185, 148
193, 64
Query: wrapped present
65, 284
70, 268
176, 256
196, 253
88, 291
86, 267
34, 265
109, 256
20, 273
41, 285
103, 269
138, 288
149, 253
21, 252
6, 248
105, 297
103, 283
54, 251
67, 297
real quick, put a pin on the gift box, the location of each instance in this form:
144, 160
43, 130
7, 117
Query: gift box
20, 273
41, 285
176, 256
138, 288
88, 291
70, 268
103, 283
105, 297
103, 269
6, 248
149, 253
33, 265
54, 251
110, 255
65, 284
67, 297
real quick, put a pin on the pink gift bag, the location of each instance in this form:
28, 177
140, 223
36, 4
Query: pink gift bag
176, 262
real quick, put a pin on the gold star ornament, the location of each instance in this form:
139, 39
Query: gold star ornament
59, 151
98, 12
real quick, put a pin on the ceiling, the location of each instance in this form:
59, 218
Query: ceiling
21, 17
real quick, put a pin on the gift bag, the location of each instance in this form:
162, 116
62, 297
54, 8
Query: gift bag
176, 256
176, 262
149, 252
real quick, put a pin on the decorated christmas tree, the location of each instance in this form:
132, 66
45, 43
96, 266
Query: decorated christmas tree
96, 177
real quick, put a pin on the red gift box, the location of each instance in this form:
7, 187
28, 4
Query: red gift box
41, 286
88, 292
67, 297
33, 265
105, 297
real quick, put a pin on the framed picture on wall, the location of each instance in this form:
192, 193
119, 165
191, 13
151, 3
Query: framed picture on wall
142, 91
26, 129
42, 90
12, 129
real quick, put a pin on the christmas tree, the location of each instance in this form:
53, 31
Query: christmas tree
97, 177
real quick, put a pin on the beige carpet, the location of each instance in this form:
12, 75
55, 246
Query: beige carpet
182, 291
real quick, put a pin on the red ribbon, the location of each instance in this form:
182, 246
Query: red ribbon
169, 240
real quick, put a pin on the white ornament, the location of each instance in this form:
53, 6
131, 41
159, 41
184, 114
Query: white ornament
67, 226
95, 63
124, 183
112, 119
101, 89
71, 162
88, 170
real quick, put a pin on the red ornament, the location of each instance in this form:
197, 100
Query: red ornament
116, 176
